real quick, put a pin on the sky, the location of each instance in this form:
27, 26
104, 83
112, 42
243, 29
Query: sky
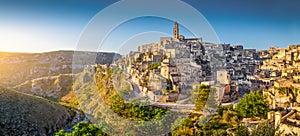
48, 25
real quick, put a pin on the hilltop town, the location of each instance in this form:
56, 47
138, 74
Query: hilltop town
175, 65
168, 70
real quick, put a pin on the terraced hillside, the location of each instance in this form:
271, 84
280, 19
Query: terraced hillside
23, 114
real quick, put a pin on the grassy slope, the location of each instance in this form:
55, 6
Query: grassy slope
22, 114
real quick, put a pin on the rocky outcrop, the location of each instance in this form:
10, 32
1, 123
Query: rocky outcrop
49, 87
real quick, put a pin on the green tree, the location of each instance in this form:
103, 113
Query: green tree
265, 129
199, 96
241, 130
82, 129
196, 124
154, 66
252, 105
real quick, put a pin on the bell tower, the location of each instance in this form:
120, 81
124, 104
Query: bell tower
176, 31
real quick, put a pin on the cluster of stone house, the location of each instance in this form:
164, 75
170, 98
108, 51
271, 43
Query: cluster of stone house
281, 67
240, 64
171, 65
185, 63
278, 77
287, 121
285, 61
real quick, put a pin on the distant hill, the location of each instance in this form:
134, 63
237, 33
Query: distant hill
23, 114
17, 68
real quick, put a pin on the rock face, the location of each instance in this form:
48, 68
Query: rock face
23, 114
49, 87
